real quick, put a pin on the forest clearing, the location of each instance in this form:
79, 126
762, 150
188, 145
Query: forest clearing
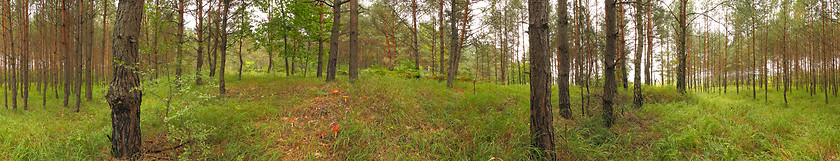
420, 80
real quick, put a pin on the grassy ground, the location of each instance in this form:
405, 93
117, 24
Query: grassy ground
268, 117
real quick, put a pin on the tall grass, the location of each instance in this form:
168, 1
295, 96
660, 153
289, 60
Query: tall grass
392, 118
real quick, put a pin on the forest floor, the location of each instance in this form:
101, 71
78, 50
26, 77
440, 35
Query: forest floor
271, 117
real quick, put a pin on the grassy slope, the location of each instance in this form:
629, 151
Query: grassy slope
383, 118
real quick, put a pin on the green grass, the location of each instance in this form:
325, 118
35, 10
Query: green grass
388, 118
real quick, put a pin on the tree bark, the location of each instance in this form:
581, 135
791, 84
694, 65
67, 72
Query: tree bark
122, 96
640, 44
354, 40
681, 47
223, 43
414, 31
333, 59
320, 44
455, 46
442, 40
562, 59
542, 130
609, 62
199, 59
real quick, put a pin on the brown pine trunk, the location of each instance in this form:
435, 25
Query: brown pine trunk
609, 62
89, 57
333, 59
455, 46
354, 41
442, 42
223, 44
542, 130
562, 60
320, 44
180, 47
200, 33
122, 96
414, 26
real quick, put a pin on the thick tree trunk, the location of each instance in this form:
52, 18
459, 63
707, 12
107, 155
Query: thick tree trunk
609, 62
542, 130
122, 96
562, 59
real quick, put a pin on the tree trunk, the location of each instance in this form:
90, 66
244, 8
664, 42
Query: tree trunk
455, 48
649, 62
12, 60
542, 130
333, 59
270, 37
199, 60
609, 62
637, 80
24, 62
681, 50
122, 96
414, 31
442, 42
180, 48
89, 57
354, 40
223, 43
562, 59
320, 44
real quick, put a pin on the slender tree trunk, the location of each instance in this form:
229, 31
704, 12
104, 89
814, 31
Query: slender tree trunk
180, 47
681, 47
455, 48
320, 44
122, 96
240, 56
414, 31
79, 54
562, 59
270, 37
640, 45
333, 59
354, 40
649, 61
442, 40
223, 43
199, 60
